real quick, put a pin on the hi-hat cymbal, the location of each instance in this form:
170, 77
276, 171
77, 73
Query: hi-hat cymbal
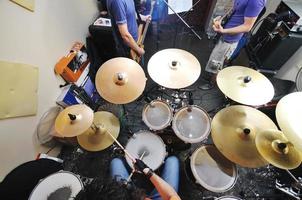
120, 80
277, 150
234, 130
96, 138
74, 120
174, 68
289, 117
245, 85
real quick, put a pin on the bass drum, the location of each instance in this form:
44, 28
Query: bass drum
212, 170
228, 198
157, 115
149, 144
60, 185
191, 124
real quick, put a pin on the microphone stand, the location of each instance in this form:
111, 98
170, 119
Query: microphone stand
184, 22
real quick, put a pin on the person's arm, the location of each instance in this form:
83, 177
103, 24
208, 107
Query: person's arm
128, 39
166, 191
243, 28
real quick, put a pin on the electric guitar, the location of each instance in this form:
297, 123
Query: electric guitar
224, 19
142, 35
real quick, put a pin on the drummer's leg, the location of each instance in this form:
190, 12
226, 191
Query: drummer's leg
118, 170
170, 174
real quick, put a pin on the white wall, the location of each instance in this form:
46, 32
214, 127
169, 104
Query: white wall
38, 38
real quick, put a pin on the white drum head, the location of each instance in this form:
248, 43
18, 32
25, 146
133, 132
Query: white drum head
157, 115
151, 144
228, 198
69, 184
212, 170
192, 124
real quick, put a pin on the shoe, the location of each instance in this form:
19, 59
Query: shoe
206, 86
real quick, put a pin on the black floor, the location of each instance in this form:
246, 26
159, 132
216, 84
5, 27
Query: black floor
251, 183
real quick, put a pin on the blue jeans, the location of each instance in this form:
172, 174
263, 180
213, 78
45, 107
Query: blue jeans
170, 173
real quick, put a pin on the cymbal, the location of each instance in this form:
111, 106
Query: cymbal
277, 150
174, 68
74, 120
120, 80
245, 85
234, 130
96, 138
289, 115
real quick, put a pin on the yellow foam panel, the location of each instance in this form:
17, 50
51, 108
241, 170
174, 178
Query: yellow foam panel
28, 4
18, 89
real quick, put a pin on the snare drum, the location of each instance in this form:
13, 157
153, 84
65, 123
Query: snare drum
192, 124
228, 198
212, 170
157, 115
149, 144
60, 185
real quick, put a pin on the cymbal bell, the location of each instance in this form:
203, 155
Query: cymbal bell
96, 137
245, 85
277, 150
289, 115
174, 68
74, 120
120, 80
234, 130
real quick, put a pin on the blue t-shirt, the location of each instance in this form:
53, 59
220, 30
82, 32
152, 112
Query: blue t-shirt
242, 8
123, 12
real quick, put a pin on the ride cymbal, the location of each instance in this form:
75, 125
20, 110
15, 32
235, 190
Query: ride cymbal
289, 116
174, 68
234, 130
120, 80
74, 120
245, 85
96, 138
277, 150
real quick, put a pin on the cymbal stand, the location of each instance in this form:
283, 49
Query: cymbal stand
294, 178
183, 21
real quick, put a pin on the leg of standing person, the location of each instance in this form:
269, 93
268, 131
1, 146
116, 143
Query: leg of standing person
170, 174
220, 53
118, 170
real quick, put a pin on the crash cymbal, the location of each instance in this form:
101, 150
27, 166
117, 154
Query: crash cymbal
174, 68
289, 115
120, 80
96, 138
74, 120
234, 130
245, 85
277, 150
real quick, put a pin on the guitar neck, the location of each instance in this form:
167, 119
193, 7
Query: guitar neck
143, 36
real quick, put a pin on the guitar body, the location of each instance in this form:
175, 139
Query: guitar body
142, 31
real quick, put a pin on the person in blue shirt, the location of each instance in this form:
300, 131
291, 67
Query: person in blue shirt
123, 16
243, 16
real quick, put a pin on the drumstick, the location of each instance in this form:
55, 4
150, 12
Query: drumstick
134, 169
119, 144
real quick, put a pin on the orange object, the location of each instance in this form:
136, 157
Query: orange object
71, 66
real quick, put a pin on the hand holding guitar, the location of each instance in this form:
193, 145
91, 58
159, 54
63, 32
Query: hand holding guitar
217, 27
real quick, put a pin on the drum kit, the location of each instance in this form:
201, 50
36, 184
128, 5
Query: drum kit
241, 134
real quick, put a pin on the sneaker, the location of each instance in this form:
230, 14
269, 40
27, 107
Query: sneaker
206, 86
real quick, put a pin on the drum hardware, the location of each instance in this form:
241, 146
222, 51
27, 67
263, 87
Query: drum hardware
245, 85
289, 115
120, 80
234, 130
151, 144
